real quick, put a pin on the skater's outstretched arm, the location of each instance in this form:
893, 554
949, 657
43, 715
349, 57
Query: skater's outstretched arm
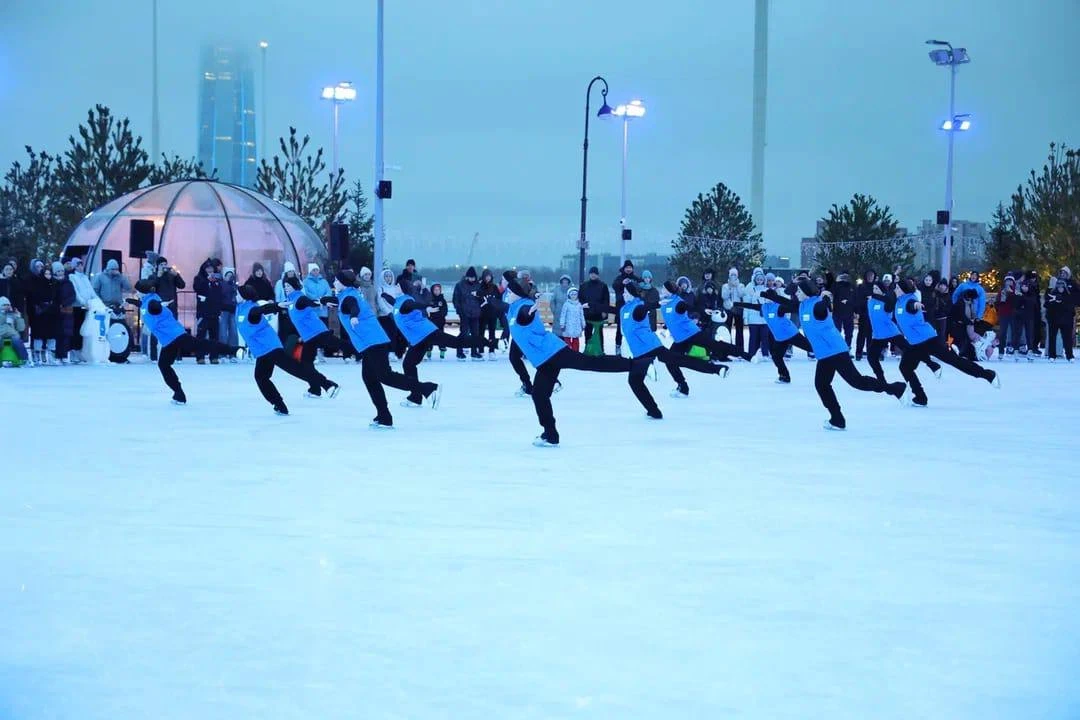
790, 305
406, 307
748, 306
256, 314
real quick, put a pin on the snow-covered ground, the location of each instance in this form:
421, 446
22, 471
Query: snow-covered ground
733, 560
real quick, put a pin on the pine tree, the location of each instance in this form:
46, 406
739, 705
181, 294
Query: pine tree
29, 224
361, 224
1046, 212
176, 168
293, 179
842, 239
717, 232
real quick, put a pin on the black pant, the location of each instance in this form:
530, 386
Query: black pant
397, 341
618, 326
674, 362
734, 324
184, 344
264, 368
877, 347
779, 349
517, 361
846, 325
863, 339
487, 327
841, 364
716, 348
376, 373
548, 373
415, 354
469, 328
78, 316
64, 330
208, 328
1065, 329
935, 347
589, 332
324, 341
759, 340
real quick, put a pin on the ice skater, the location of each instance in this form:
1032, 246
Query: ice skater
173, 341
314, 334
645, 347
411, 319
265, 346
926, 343
815, 314
372, 345
883, 331
549, 355
514, 353
685, 333
777, 309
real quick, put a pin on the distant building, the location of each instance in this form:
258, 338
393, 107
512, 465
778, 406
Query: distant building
227, 114
808, 246
969, 245
608, 265
777, 262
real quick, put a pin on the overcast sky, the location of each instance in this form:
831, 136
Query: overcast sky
484, 102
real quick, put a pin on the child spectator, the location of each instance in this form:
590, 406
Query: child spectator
12, 326
572, 320
438, 315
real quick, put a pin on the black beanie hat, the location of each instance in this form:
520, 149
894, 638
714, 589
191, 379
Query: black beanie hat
594, 270
346, 277
145, 286
632, 287
628, 263
247, 292
509, 276
808, 286
410, 261
907, 286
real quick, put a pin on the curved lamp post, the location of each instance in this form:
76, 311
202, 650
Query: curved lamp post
604, 111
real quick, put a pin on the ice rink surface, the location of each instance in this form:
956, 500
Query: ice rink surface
732, 560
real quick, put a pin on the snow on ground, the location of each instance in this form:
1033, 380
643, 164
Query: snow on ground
733, 560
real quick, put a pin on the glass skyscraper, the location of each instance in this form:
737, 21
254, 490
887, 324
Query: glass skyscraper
227, 114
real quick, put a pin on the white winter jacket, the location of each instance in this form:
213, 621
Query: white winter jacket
731, 294
752, 294
572, 319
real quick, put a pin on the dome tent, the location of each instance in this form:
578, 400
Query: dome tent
195, 220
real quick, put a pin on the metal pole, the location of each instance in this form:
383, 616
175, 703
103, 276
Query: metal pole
334, 134
585, 178
262, 150
761, 72
155, 136
622, 217
946, 258
378, 138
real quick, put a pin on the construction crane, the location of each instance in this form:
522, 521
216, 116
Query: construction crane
472, 249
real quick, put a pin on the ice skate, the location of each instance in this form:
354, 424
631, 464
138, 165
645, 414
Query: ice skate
280, 409
828, 425
542, 442
406, 403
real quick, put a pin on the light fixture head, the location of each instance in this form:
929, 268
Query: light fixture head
633, 109
959, 123
605, 110
263, 44
342, 92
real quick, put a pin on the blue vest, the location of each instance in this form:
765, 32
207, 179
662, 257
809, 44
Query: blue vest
368, 332
914, 326
260, 337
307, 321
413, 325
780, 326
824, 338
164, 326
639, 336
678, 324
881, 324
535, 341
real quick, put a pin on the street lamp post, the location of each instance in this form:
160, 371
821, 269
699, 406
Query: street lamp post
155, 125
262, 131
379, 169
633, 109
952, 57
604, 111
338, 94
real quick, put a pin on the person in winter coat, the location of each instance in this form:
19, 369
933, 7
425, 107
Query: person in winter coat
1030, 309
366, 285
732, 293
626, 273
843, 304
558, 299
437, 316
489, 313
166, 282
1060, 305
708, 276
288, 283
650, 297
12, 326
227, 334
467, 304
40, 310
972, 283
594, 297
11, 286
281, 292
571, 321
685, 290
1010, 316
385, 312
111, 285
759, 332
65, 305
862, 294
84, 295
316, 287
264, 290
207, 287
710, 308
777, 309
407, 279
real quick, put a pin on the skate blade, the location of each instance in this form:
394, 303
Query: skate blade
380, 426
541, 443
333, 392
410, 404
436, 397
829, 426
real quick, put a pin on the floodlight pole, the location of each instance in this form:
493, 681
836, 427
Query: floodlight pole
946, 255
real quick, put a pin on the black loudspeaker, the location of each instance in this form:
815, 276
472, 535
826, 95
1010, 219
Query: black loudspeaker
942, 217
76, 251
339, 242
141, 238
107, 255
384, 190
627, 234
